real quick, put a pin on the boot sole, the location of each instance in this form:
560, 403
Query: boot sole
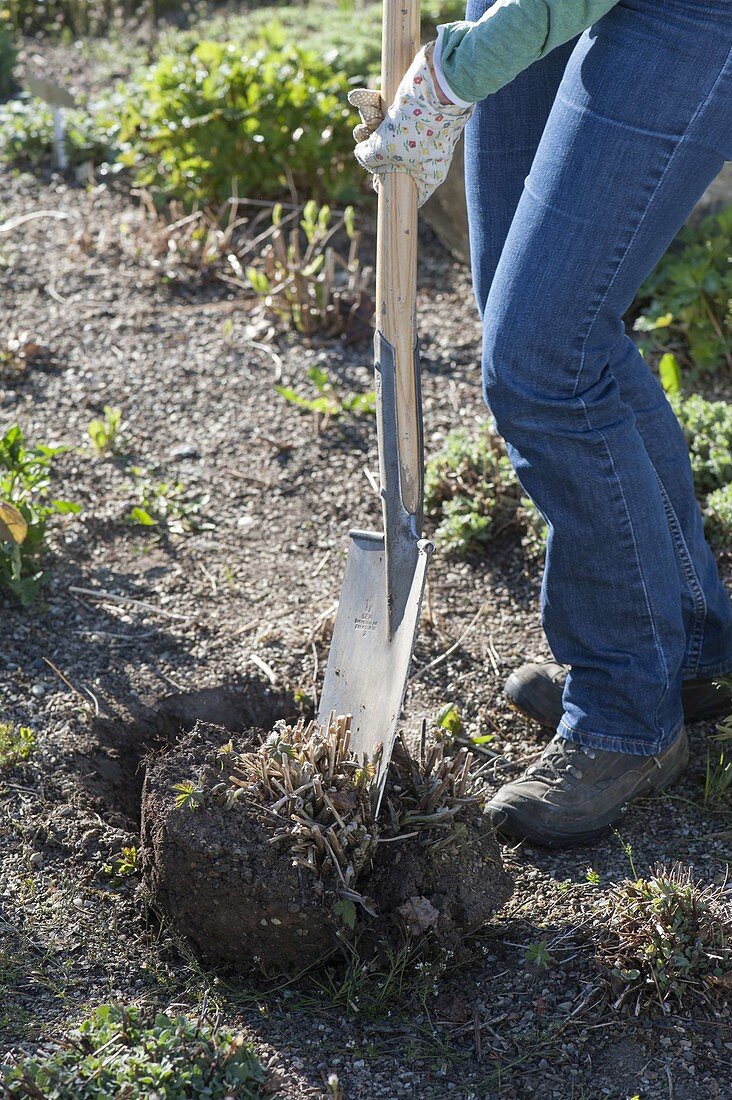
515, 827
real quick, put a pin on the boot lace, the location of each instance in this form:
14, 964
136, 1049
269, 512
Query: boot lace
560, 760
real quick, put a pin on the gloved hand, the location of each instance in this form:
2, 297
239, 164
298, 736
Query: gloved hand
418, 134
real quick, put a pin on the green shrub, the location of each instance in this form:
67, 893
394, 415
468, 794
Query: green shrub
204, 125
25, 507
707, 426
16, 745
687, 299
349, 40
718, 517
471, 491
7, 60
125, 1052
349, 45
26, 135
535, 529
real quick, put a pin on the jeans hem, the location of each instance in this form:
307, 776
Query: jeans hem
707, 672
610, 743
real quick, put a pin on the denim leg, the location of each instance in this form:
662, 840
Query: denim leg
500, 142
707, 607
639, 127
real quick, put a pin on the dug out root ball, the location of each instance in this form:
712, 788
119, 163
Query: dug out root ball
264, 850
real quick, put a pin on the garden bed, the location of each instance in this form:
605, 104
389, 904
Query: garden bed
219, 613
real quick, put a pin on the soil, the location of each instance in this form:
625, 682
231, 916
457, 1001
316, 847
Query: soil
215, 873
247, 605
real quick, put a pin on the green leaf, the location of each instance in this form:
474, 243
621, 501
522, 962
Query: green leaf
65, 507
260, 282
142, 517
448, 718
319, 378
670, 373
345, 910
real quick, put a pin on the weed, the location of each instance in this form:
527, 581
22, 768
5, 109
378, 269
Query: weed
129, 1052
538, 955
449, 718
189, 796
329, 401
334, 1087
305, 283
667, 937
592, 877
718, 780
688, 296
105, 433
628, 850
471, 491
122, 865
16, 745
25, 507
168, 505
369, 986
533, 539
182, 247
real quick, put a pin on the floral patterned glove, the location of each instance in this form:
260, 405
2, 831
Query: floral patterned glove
418, 135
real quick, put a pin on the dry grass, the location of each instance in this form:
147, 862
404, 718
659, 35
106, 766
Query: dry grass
321, 799
668, 938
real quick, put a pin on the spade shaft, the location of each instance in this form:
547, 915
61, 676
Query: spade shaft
381, 598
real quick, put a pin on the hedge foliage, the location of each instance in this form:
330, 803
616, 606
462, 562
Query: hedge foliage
206, 124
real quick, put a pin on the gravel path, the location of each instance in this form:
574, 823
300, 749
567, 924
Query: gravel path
193, 372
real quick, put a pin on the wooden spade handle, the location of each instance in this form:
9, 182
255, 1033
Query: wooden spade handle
396, 254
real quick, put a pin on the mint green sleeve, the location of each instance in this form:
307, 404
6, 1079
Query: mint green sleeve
476, 59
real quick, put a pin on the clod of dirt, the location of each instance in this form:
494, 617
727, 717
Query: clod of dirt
246, 892
214, 872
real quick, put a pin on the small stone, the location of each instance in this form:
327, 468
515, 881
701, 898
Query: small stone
185, 450
36, 860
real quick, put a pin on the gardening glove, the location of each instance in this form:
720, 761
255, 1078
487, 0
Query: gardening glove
418, 135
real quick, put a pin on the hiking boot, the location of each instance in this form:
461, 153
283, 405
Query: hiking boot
572, 794
536, 689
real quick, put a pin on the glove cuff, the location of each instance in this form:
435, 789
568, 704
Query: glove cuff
440, 72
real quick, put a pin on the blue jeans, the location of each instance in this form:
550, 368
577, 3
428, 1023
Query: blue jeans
579, 174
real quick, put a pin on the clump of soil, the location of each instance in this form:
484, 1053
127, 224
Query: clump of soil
265, 851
